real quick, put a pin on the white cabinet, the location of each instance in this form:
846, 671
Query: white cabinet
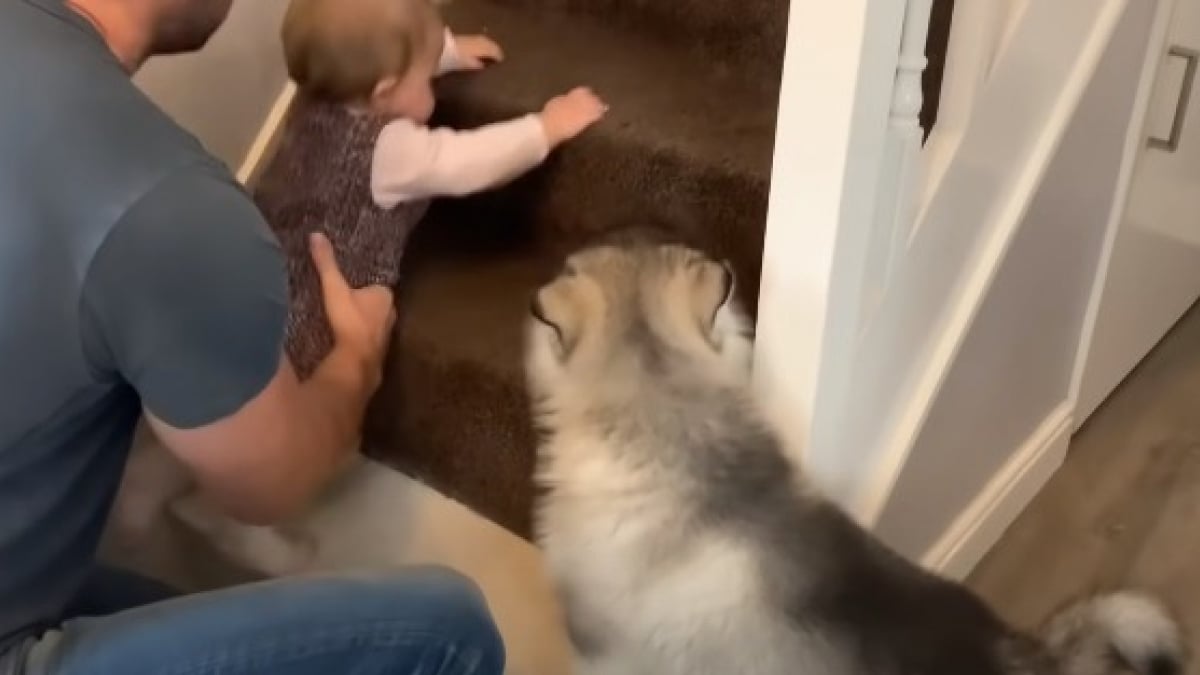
1154, 273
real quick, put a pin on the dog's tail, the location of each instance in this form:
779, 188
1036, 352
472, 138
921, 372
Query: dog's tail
1109, 633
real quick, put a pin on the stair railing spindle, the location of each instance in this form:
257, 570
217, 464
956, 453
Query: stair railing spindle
900, 180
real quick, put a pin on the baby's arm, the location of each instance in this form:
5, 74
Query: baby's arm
413, 162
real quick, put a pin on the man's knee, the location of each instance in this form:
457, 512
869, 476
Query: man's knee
456, 609
438, 577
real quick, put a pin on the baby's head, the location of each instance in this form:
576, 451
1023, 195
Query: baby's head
382, 54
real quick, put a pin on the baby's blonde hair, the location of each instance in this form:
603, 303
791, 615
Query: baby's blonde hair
339, 50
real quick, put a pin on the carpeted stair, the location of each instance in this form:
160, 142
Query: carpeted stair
686, 148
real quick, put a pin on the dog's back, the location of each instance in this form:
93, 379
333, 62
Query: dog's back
682, 538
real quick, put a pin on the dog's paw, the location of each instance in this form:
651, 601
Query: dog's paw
134, 519
601, 666
274, 551
279, 551
152, 480
198, 514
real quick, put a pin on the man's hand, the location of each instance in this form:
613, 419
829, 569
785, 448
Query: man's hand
361, 319
565, 117
475, 52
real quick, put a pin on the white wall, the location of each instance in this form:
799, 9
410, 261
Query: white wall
224, 93
1015, 367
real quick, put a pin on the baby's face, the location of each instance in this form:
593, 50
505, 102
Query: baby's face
411, 96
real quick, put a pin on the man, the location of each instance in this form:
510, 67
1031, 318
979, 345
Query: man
136, 277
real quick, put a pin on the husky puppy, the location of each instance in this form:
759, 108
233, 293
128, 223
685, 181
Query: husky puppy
684, 542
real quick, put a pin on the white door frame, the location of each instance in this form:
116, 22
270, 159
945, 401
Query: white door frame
838, 72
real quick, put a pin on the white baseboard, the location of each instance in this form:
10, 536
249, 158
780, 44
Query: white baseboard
264, 141
1006, 495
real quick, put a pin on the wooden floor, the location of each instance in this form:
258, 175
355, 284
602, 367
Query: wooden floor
1125, 508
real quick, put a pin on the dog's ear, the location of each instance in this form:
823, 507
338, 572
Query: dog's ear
711, 287
555, 306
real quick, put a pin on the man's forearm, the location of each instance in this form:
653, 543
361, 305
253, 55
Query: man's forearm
324, 413
266, 463
333, 402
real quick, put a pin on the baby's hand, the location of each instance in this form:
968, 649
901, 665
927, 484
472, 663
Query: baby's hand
476, 51
565, 117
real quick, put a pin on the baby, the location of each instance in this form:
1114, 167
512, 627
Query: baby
357, 160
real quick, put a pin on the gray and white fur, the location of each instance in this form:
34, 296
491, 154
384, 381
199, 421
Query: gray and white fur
684, 542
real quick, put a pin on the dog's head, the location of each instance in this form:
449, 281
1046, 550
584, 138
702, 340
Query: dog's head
620, 318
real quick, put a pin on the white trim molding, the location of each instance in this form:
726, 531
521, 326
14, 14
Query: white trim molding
822, 206
264, 142
900, 180
1010, 490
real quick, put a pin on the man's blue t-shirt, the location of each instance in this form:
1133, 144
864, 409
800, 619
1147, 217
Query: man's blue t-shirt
134, 273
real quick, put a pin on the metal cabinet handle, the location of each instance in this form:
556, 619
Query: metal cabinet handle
1171, 144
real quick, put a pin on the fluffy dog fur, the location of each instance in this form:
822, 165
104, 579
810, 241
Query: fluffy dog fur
684, 542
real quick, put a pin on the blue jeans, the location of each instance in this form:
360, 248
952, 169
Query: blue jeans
423, 621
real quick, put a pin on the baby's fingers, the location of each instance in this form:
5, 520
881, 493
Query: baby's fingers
493, 51
584, 99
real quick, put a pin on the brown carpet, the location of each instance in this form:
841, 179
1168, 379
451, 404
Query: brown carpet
686, 147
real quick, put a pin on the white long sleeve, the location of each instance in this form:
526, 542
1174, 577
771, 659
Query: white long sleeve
415, 162
449, 61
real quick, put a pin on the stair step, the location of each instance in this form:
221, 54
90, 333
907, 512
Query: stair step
750, 33
452, 410
687, 142
686, 146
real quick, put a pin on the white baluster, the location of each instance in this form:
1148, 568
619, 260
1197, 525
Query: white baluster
981, 29
899, 184
907, 98
905, 119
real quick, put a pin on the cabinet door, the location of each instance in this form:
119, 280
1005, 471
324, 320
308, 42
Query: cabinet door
1154, 273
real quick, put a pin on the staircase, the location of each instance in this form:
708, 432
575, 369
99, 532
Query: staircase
686, 149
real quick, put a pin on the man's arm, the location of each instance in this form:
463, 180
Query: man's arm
265, 462
414, 162
187, 300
